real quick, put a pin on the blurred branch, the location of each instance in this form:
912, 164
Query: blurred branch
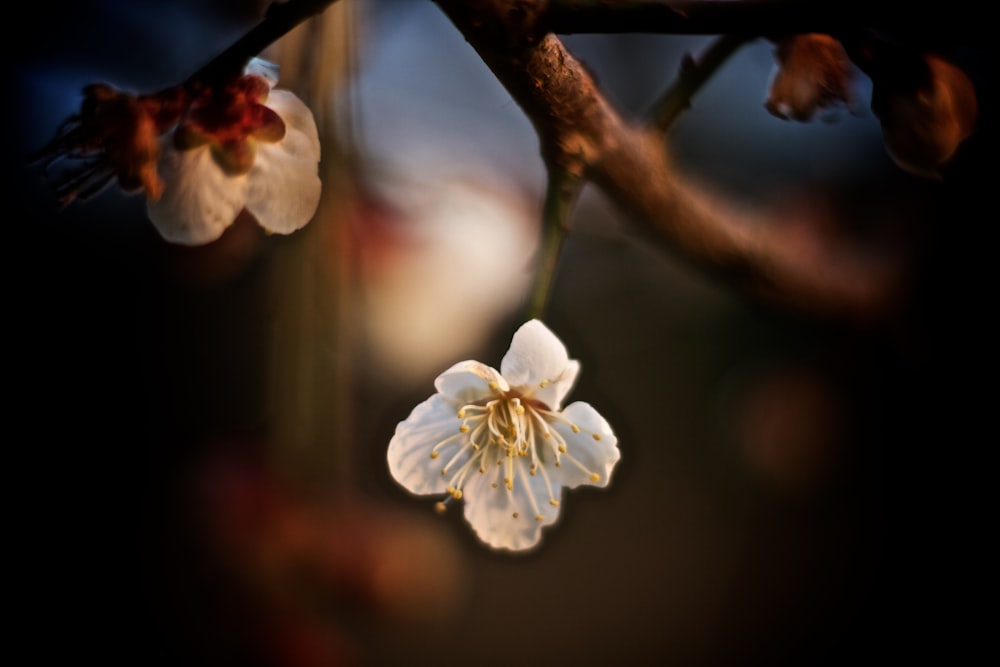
580, 133
748, 18
280, 18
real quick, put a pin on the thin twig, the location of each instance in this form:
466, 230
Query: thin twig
691, 77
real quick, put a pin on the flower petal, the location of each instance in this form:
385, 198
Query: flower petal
283, 186
469, 381
594, 454
199, 200
409, 454
537, 356
491, 511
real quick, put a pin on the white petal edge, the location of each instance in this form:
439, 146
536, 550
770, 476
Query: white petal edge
490, 511
469, 381
409, 453
537, 355
283, 185
199, 200
599, 456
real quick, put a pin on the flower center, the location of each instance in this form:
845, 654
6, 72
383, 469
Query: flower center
506, 438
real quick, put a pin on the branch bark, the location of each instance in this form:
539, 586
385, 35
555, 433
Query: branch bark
581, 133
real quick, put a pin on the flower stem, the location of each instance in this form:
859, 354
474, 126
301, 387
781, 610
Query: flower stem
280, 18
692, 76
561, 194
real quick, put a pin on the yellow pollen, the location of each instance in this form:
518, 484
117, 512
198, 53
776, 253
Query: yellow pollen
576, 429
494, 386
509, 483
434, 455
597, 436
464, 428
562, 448
539, 517
553, 502
519, 409
457, 494
547, 434
439, 507
543, 384
594, 477
444, 471
461, 413
450, 490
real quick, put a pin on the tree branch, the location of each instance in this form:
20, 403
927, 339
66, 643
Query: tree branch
579, 132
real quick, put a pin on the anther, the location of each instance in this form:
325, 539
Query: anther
597, 436
434, 455
553, 502
576, 429
562, 448
515, 515
539, 517
464, 428
594, 477
457, 494
543, 384
461, 414
440, 507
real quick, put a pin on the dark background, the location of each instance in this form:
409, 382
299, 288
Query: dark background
791, 490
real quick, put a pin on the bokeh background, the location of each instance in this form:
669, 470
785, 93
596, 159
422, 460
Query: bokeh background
199, 433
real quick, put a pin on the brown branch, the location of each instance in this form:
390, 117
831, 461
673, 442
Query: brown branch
580, 132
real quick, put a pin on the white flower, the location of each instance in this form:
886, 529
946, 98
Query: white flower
500, 441
246, 146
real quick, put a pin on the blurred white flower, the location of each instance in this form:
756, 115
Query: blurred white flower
244, 145
501, 442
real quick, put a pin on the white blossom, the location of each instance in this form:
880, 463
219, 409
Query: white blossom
501, 442
277, 181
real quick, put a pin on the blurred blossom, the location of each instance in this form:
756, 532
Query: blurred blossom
927, 109
813, 75
502, 442
289, 566
791, 424
443, 262
245, 145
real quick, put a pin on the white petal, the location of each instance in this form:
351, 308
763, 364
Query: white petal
199, 200
264, 68
596, 456
535, 356
283, 185
469, 381
409, 454
490, 511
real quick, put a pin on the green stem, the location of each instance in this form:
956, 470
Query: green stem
561, 194
692, 76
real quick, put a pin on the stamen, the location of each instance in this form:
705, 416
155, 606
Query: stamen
440, 507
534, 503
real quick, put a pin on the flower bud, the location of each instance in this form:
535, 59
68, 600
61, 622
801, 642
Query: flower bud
813, 74
925, 115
